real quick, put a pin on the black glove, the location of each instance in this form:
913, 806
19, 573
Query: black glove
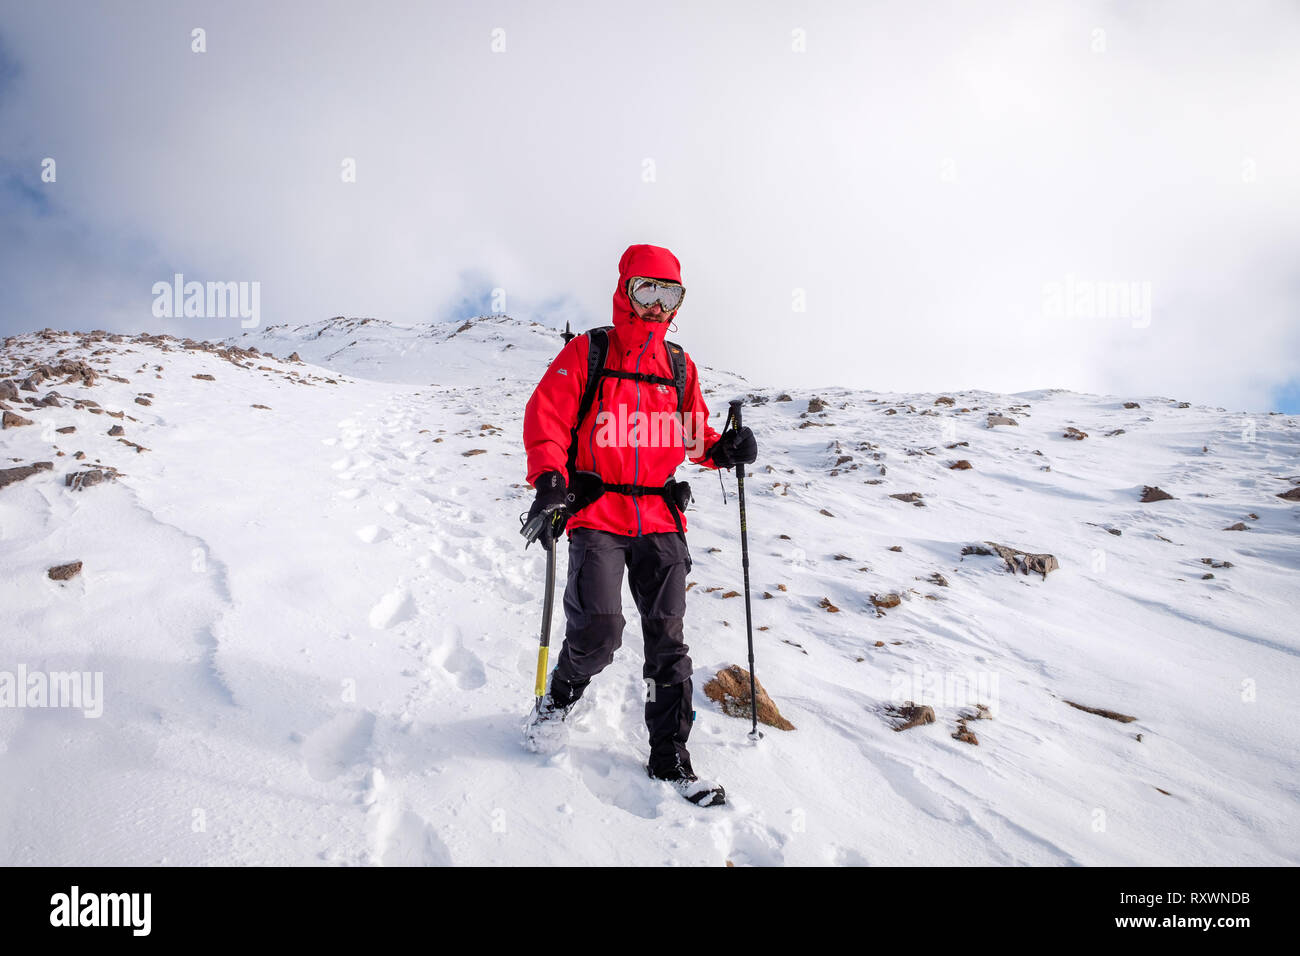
548, 515
734, 447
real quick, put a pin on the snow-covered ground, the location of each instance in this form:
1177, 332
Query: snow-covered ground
316, 624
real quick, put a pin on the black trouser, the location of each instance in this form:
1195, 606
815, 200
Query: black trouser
657, 565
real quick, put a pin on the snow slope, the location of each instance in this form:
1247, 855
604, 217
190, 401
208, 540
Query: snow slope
316, 624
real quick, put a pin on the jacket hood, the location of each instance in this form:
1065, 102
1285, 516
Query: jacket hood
653, 262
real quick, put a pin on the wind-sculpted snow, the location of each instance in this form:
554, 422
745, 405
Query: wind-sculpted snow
316, 623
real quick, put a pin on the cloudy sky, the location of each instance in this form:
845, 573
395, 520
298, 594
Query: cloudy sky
909, 195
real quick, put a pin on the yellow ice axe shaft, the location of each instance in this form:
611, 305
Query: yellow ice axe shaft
548, 605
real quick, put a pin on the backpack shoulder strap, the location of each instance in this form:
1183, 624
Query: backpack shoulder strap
597, 350
678, 357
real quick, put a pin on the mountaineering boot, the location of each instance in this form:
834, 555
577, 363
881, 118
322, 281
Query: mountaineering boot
702, 793
547, 730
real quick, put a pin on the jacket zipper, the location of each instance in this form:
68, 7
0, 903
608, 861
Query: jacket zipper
636, 449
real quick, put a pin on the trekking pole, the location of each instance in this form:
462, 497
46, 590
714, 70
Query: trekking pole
548, 603
733, 417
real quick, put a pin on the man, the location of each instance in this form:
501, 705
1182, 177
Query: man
608, 479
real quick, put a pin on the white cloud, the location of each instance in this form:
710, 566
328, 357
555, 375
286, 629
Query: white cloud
920, 172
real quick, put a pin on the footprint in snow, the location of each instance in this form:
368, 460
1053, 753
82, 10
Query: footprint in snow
339, 743
463, 665
393, 608
372, 533
746, 843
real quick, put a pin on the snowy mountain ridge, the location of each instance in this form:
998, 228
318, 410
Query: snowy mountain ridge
316, 626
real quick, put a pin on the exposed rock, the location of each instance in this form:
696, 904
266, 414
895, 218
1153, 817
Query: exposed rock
293, 357
143, 401
1113, 715
910, 497
730, 690
9, 390
10, 475
1025, 562
827, 513
816, 405
938, 579
908, 715
961, 465
1072, 432
66, 429
79, 480
204, 376
1000, 420
1151, 493
1117, 431
886, 600
957, 444
267, 407
13, 420
1132, 405
1292, 495
1239, 526
116, 430
826, 603
783, 397
895, 547
473, 451
63, 572
945, 400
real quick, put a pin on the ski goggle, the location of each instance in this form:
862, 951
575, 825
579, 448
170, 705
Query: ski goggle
646, 292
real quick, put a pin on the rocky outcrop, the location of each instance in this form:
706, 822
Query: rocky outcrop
80, 480
1151, 493
64, 572
10, 475
1015, 559
729, 688
13, 420
907, 715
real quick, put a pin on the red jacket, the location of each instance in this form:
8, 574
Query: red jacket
616, 442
